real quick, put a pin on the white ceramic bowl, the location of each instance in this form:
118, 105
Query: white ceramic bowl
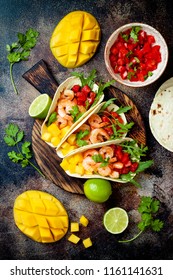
159, 41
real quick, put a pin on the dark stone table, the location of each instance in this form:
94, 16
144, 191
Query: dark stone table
18, 16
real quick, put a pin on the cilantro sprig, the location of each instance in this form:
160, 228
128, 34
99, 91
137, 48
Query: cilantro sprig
99, 159
79, 136
75, 113
22, 155
20, 50
148, 208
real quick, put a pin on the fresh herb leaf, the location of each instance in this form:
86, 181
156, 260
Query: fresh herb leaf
52, 118
143, 165
123, 109
124, 36
98, 158
135, 151
148, 208
81, 134
13, 137
134, 33
75, 113
101, 88
20, 50
106, 104
86, 80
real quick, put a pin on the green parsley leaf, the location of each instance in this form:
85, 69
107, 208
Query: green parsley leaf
134, 33
75, 113
106, 104
20, 50
12, 138
52, 118
124, 109
148, 208
81, 134
98, 158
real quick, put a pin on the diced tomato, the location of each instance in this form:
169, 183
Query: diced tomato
123, 75
115, 114
151, 39
81, 95
125, 158
109, 130
76, 88
86, 89
134, 166
125, 170
114, 50
105, 119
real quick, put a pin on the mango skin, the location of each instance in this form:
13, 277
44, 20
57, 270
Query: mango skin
75, 39
40, 216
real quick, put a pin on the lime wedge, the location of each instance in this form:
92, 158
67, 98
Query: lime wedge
115, 220
40, 106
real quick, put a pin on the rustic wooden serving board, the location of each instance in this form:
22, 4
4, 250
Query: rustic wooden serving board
41, 78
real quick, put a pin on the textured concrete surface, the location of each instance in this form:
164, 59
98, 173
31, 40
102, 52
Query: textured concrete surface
18, 16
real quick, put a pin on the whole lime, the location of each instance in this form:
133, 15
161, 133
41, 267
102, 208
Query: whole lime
97, 190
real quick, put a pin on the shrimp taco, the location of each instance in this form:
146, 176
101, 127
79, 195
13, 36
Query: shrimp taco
118, 161
105, 123
74, 99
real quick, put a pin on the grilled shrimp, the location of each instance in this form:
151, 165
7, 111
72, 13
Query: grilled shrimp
90, 153
114, 174
104, 171
67, 94
64, 108
106, 152
89, 164
61, 122
98, 135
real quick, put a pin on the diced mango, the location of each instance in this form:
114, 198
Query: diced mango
53, 129
76, 28
40, 216
79, 169
64, 131
55, 140
87, 242
46, 136
73, 238
74, 226
84, 221
64, 164
71, 139
65, 145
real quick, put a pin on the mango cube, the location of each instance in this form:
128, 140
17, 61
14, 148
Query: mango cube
73, 238
71, 139
87, 242
74, 227
55, 140
53, 129
84, 221
46, 136
79, 169
64, 131
64, 164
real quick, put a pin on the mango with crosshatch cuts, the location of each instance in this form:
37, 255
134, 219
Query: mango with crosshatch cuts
40, 216
75, 39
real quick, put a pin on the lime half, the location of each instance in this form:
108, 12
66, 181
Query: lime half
40, 106
115, 220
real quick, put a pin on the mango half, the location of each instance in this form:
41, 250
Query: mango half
40, 216
75, 39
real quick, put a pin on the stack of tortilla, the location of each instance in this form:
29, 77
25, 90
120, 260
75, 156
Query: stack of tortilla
161, 115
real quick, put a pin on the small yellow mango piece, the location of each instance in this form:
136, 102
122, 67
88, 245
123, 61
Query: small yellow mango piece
46, 136
53, 129
84, 221
74, 226
73, 238
64, 131
64, 164
87, 242
79, 169
55, 140
71, 139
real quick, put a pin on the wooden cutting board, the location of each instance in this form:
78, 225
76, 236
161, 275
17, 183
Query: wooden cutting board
41, 78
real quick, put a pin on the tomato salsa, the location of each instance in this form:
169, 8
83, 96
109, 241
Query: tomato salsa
134, 54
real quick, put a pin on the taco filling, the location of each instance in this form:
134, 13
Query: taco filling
119, 161
72, 103
106, 123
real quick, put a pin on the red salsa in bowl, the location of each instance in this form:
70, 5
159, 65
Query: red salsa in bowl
136, 54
